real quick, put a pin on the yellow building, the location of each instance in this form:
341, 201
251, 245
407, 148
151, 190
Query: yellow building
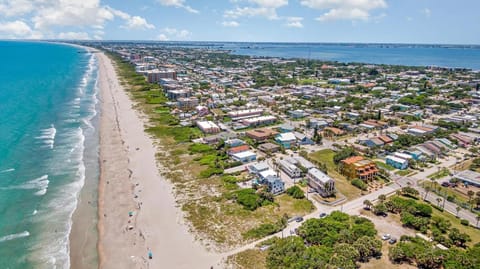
358, 167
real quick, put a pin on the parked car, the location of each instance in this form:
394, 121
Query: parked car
323, 215
386, 236
445, 184
383, 214
299, 219
392, 241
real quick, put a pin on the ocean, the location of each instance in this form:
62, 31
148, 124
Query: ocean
49, 118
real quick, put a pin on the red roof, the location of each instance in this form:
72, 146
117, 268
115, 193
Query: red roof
238, 149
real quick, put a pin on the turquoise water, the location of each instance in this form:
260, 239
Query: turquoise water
48, 108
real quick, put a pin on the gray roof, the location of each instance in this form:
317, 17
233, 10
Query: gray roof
319, 175
469, 176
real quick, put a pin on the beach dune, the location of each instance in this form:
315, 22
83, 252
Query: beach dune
137, 210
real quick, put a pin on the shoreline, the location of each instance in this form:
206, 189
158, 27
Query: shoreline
130, 182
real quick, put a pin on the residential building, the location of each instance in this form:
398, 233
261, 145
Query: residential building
208, 127
320, 182
187, 103
303, 139
286, 140
469, 177
385, 139
297, 114
286, 128
269, 147
257, 121
238, 149
235, 142
290, 169
154, 76
447, 143
373, 142
396, 162
332, 131
404, 156
261, 134
302, 162
177, 94
258, 168
244, 156
274, 184
244, 114
358, 167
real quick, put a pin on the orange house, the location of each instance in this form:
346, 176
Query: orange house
358, 167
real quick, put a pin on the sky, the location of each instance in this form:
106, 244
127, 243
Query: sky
362, 21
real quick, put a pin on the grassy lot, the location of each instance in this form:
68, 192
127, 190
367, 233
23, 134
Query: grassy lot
248, 259
226, 221
403, 172
459, 197
384, 166
343, 185
439, 174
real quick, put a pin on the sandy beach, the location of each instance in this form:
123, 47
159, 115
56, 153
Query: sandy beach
137, 209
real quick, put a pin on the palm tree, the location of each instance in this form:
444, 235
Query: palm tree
398, 192
382, 198
470, 194
368, 204
427, 190
438, 201
458, 210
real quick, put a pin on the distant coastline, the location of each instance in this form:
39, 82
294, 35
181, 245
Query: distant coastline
439, 55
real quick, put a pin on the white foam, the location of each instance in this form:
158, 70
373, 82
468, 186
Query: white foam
7, 170
40, 184
14, 236
48, 136
34, 212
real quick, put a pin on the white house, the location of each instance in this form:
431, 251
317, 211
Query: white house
245, 156
320, 182
290, 169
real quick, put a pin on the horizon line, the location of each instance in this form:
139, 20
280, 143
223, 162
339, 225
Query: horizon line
259, 42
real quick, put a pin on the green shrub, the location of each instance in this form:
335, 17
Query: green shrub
464, 222
249, 199
295, 192
359, 184
210, 172
199, 148
262, 231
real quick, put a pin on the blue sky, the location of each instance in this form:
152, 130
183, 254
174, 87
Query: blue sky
393, 21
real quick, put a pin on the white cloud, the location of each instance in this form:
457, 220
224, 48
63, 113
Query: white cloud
162, 37
344, 9
230, 24
427, 12
173, 34
11, 8
74, 36
137, 22
132, 22
294, 22
263, 8
73, 16
178, 4
18, 29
